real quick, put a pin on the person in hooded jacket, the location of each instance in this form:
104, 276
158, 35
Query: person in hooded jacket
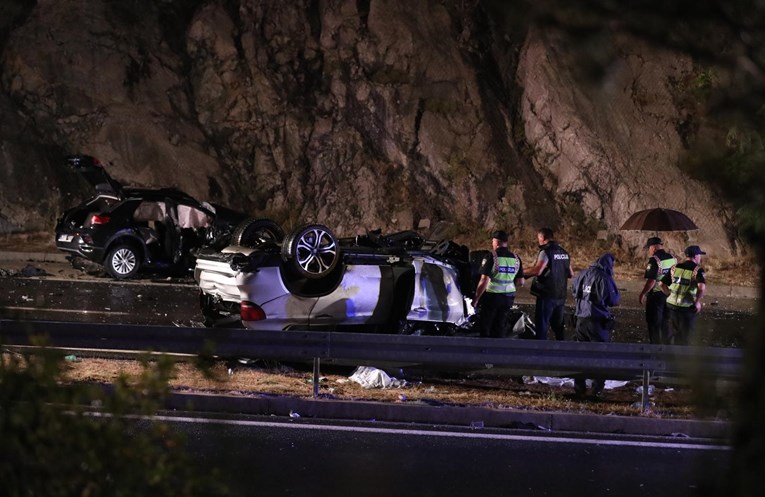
595, 292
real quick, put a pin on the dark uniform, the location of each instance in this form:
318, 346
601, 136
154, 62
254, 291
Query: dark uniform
503, 268
594, 291
682, 280
656, 315
550, 289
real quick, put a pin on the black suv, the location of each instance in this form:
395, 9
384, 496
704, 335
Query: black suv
128, 229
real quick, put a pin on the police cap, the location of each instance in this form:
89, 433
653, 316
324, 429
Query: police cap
694, 250
500, 235
654, 240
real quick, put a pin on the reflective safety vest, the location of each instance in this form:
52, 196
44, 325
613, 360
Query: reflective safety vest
664, 267
503, 275
682, 291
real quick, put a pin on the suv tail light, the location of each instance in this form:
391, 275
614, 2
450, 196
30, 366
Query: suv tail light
99, 219
251, 312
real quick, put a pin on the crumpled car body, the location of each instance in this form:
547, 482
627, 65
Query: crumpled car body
131, 229
398, 283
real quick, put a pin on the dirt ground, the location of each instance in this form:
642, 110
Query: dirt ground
527, 393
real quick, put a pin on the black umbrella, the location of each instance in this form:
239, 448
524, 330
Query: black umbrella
659, 219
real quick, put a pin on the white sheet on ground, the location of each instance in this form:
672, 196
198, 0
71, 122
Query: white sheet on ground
569, 382
370, 377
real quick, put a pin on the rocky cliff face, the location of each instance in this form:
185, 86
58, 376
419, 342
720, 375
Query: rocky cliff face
358, 115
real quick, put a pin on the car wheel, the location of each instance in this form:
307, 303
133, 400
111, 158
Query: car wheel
122, 262
312, 250
253, 232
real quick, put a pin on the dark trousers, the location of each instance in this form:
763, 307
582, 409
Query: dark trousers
681, 323
657, 317
494, 307
590, 330
549, 314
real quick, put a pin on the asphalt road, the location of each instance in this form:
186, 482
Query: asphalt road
262, 456
100, 300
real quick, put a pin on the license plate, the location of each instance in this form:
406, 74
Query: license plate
65, 238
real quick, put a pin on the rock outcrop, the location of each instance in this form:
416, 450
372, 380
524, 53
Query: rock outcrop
358, 115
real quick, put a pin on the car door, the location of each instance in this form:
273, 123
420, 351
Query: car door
437, 295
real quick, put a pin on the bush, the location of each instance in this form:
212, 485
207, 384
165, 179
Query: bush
82, 440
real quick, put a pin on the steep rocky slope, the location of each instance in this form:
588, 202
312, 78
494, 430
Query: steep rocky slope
357, 114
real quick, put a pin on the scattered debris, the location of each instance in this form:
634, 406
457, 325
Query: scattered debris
569, 382
29, 271
639, 390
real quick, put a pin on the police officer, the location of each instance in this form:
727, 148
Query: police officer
656, 316
501, 271
594, 291
685, 286
550, 286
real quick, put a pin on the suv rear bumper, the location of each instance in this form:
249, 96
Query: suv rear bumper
74, 244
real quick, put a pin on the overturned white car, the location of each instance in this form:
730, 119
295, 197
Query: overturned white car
310, 279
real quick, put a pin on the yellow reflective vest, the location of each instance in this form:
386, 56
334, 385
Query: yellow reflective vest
664, 265
503, 275
682, 291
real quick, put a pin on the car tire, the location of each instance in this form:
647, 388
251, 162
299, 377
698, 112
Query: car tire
122, 262
312, 251
253, 232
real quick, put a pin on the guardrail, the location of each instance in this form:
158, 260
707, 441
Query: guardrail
611, 360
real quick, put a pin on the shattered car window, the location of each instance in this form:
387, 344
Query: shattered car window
150, 211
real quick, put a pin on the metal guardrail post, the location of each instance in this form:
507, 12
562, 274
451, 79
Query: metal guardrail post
646, 385
316, 376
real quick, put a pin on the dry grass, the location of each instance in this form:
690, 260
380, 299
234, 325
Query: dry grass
500, 393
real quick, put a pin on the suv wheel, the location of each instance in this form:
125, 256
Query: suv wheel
254, 232
122, 262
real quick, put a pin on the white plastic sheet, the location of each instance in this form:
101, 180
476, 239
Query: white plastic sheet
569, 382
370, 377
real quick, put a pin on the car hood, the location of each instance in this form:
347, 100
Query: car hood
94, 173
